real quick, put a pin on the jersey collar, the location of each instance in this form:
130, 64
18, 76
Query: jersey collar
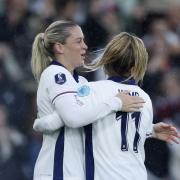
121, 79
75, 74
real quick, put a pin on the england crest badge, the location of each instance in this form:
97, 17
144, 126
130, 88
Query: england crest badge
60, 78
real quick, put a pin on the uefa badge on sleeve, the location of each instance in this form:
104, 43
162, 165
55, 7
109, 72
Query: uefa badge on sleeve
60, 78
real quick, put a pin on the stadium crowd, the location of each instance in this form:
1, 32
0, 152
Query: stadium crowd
157, 22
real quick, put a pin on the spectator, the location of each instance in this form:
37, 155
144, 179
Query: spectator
12, 149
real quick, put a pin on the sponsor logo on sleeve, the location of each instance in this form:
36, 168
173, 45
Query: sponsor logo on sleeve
83, 91
60, 78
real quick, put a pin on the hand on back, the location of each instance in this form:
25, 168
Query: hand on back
130, 103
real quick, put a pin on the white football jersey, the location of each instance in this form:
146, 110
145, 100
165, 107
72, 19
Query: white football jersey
117, 141
62, 154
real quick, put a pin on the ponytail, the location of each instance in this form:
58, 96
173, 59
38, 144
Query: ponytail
40, 56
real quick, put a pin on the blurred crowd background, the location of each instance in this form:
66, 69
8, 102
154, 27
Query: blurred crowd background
157, 22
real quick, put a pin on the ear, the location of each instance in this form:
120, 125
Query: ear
58, 48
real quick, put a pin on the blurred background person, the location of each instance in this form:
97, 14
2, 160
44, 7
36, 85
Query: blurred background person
12, 149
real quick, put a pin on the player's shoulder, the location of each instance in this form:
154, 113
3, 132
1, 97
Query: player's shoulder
82, 79
144, 95
102, 84
53, 71
135, 90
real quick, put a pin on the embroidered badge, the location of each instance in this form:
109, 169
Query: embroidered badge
83, 91
60, 78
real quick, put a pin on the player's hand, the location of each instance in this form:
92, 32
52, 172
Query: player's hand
166, 132
130, 103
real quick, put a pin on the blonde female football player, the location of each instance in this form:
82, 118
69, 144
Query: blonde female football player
55, 55
117, 140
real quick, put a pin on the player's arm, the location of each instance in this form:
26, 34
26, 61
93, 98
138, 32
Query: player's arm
48, 123
53, 122
76, 109
161, 131
78, 116
166, 132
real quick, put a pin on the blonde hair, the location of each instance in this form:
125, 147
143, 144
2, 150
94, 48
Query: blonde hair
125, 55
42, 49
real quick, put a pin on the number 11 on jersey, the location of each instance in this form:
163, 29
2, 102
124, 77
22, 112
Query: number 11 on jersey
125, 117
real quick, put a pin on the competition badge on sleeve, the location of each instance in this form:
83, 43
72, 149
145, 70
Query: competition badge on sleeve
60, 78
